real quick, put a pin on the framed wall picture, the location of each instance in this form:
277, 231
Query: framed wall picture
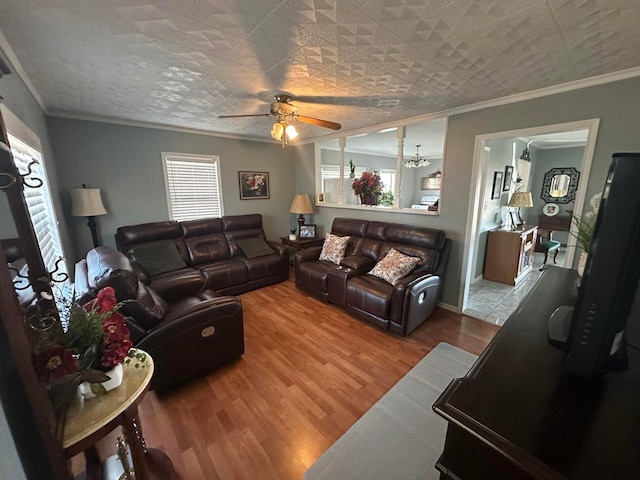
307, 231
321, 198
253, 185
430, 183
508, 177
497, 185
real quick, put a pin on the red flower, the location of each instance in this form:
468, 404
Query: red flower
114, 353
54, 363
104, 302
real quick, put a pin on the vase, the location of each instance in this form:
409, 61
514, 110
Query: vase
369, 198
115, 380
292, 236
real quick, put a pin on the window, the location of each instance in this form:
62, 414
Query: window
193, 186
39, 203
388, 177
333, 171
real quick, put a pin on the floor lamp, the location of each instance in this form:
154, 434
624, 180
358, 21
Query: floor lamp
86, 202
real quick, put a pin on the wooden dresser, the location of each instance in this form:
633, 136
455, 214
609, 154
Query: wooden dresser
509, 255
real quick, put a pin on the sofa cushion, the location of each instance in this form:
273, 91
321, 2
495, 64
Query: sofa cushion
370, 294
394, 266
225, 273
158, 257
264, 266
333, 248
254, 247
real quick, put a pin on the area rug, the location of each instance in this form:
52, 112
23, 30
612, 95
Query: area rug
400, 437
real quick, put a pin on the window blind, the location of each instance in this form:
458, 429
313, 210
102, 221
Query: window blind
333, 171
39, 204
193, 186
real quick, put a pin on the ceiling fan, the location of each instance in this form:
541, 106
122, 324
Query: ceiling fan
283, 130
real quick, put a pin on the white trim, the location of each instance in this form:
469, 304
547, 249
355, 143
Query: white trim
19, 129
15, 63
472, 211
450, 308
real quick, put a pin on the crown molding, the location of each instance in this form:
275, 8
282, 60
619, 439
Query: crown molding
15, 63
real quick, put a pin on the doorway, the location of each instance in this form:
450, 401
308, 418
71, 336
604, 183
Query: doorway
501, 155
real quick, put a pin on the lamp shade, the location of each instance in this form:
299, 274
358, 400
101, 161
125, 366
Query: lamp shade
86, 202
301, 204
521, 200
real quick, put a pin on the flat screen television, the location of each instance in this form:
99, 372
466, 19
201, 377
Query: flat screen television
594, 329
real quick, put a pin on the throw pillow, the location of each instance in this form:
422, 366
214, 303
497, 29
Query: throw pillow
333, 248
394, 266
158, 257
254, 247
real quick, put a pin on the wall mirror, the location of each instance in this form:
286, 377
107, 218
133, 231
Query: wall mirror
560, 185
409, 176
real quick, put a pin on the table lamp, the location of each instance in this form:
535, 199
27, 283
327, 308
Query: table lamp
86, 202
301, 205
520, 200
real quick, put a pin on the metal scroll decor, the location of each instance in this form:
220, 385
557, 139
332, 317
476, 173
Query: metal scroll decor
552, 177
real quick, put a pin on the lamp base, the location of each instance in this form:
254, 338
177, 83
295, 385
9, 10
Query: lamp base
300, 222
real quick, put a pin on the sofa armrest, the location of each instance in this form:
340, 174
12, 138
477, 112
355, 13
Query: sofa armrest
306, 255
198, 339
413, 299
280, 249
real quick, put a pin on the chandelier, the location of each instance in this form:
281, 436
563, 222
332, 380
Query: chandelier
283, 132
416, 161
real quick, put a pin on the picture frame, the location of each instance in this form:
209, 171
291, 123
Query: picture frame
308, 231
497, 185
508, 177
254, 185
430, 183
321, 198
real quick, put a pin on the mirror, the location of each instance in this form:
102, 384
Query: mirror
560, 185
341, 162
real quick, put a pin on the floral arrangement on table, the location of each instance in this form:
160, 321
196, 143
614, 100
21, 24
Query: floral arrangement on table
368, 187
96, 340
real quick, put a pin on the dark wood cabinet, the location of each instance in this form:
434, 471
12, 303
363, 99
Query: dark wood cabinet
516, 415
509, 255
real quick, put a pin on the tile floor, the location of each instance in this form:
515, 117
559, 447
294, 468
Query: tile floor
493, 302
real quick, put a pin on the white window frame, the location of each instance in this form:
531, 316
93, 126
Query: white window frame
18, 130
189, 157
329, 170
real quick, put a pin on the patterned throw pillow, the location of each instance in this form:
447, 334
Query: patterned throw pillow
394, 266
334, 248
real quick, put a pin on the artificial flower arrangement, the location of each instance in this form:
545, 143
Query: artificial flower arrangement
96, 340
586, 223
369, 184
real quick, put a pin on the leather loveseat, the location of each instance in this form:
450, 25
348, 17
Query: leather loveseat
400, 308
190, 333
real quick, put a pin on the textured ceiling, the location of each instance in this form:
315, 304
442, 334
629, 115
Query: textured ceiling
358, 62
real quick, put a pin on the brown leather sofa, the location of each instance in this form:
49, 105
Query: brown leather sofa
400, 308
188, 334
212, 257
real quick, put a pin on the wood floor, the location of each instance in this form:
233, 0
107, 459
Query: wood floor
308, 373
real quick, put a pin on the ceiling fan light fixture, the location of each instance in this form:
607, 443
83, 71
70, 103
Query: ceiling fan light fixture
416, 161
291, 132
277, 131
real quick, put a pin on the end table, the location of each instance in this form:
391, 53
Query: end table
301, 243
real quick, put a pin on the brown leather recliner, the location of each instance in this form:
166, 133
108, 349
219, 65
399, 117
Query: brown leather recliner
191, 333
400, 308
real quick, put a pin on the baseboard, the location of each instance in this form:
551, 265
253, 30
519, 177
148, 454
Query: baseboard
450, 308
477, 279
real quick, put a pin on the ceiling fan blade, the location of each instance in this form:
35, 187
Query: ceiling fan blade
239, 116
317, 121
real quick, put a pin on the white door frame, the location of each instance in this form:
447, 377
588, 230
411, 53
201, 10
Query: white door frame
473, 213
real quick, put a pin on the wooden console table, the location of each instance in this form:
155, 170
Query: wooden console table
102, 414
300, 244
509, 255
517, 416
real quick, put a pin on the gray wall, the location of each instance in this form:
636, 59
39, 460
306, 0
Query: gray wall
617, 104
125, 163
